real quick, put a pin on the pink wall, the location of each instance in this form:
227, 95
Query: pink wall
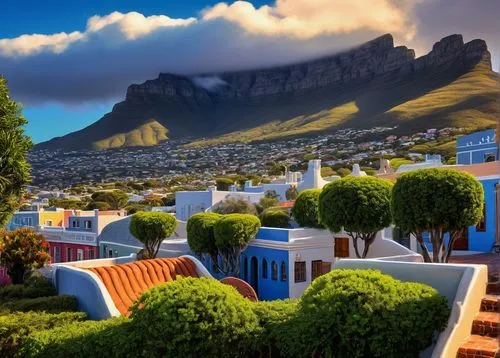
63, 249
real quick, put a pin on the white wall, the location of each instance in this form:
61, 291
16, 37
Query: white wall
188, 203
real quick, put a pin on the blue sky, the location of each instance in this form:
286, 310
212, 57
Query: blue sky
92, 50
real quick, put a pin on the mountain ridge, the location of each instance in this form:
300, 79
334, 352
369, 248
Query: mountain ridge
213, 105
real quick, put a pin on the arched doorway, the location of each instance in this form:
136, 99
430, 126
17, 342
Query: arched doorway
254, 274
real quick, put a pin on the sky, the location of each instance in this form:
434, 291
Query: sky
68, 62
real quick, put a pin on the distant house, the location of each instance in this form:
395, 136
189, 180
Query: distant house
478, 147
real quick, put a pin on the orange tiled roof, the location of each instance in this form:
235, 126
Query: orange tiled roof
286, 204
126, 282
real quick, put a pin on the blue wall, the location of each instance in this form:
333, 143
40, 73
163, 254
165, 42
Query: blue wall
480, 241
472, 148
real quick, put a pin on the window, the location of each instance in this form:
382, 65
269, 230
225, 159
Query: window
69, 254
57, 254
27, 221
283, 271
274, 271
316, 269
245, 269
79, 255
48, 222
489, 157
88, 224
341, 247
91, 255
300, 271
481, 226
110, 252
76, 223
264, 268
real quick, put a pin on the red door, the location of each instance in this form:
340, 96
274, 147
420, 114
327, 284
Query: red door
462, 242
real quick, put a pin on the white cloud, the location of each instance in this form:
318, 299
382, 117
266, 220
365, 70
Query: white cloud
97, 63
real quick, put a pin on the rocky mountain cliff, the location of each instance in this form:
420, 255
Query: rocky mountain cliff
211, 105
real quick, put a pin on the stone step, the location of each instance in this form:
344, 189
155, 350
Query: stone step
487, 324
479, 347
491, 303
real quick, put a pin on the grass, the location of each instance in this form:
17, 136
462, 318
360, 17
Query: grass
470, 100
148, 134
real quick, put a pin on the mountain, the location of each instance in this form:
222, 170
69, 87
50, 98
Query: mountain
375, 84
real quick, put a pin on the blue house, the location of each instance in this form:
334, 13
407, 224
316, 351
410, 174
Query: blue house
478, 147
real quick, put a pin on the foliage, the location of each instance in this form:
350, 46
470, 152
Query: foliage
194, 317
100, 205
364, 313
14, 147
276, 169
291, 193
275, 218
271, 194
65, 203
397, 162
133, 208
151, 228
16, 327
21, 251
52, 304
359, 205
232, 234
327, 172
369, 171
235, 205
200, 233
437, 201
35, 286
168, 200
343, 172
223, 184
305, 210
267, 202
116, 199
107, 338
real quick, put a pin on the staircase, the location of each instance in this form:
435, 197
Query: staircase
485, 338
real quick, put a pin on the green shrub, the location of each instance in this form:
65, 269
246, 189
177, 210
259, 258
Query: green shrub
107, 338
275, 218
15, 327
52, 304
151, 228
364, 313
194, 317
305, 210
273, 317
35, 286
200, 233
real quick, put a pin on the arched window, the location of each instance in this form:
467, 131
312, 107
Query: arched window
283, 271
274, 271
264, 268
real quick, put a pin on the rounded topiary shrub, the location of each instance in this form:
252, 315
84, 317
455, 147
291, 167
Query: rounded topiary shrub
305, 210
275, 218
200, 232
194, 317
151, 228
364, 313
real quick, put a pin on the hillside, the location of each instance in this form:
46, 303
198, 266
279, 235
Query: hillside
375, 84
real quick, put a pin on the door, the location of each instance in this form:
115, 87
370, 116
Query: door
341, 247
254, 274
462, 242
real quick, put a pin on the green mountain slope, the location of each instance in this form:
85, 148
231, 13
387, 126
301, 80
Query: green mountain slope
147, 134
470, 101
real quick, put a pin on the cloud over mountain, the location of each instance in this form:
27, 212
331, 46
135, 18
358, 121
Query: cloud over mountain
115, 50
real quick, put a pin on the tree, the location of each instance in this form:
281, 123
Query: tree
168, 200
291, 193
100, 205
276, 169
200, 234
67, 203
151, 228
271, 194
327, 172
133, 208
268, 202
437, 201
21, 251
116, 199
14, 147
359, 205
235, 205
343, 172
275, 218
223, 184
232, 234
305, 210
